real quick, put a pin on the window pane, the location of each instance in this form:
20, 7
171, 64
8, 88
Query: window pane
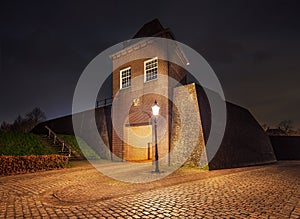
151, 67
125, 77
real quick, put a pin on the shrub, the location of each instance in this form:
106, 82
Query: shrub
10, 165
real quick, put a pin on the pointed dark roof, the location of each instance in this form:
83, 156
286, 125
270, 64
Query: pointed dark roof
153, 29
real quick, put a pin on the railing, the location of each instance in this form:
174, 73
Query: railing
58, 140
104, 102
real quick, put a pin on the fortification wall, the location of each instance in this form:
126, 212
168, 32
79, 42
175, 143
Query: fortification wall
286, 147
64, 125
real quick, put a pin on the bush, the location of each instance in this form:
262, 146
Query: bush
10, 165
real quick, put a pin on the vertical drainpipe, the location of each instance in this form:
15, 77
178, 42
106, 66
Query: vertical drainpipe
122, 159
107, 113
170, 116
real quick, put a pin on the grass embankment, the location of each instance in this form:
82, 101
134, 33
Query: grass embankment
22, 144
84, 150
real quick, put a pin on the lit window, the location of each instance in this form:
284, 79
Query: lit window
125, 78
151, 67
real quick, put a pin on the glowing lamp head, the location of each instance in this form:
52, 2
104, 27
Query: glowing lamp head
155, 109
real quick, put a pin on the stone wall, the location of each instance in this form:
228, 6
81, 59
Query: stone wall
140, 96
187, 138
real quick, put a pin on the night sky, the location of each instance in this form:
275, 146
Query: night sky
253, 46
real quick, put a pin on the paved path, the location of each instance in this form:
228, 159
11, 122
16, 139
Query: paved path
271, 191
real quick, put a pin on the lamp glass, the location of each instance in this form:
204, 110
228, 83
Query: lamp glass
155, 109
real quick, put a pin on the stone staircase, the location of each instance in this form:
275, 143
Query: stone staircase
59, 145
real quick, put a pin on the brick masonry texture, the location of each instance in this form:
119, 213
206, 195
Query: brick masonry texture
271, 191
146, 93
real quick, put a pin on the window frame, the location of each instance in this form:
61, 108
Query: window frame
145, 74
121, 71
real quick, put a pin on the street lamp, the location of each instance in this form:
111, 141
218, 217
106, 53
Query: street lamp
155, 112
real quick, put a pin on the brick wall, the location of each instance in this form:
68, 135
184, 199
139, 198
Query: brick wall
143, 93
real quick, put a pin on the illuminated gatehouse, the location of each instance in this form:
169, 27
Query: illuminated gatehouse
137, 82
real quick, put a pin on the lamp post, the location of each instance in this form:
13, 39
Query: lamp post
155, 112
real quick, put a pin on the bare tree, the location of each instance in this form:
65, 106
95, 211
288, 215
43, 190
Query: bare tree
36, 115
285, 125
5, 126
18, 124
25, 124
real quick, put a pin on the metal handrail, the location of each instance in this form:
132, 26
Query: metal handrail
104, 102
59, 140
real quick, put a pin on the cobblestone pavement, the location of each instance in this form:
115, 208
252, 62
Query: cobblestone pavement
271, 191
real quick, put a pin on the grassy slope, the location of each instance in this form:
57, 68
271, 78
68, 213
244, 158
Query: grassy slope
84, 150
21, 144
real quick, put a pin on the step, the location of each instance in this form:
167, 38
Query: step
57, 148
76, 158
